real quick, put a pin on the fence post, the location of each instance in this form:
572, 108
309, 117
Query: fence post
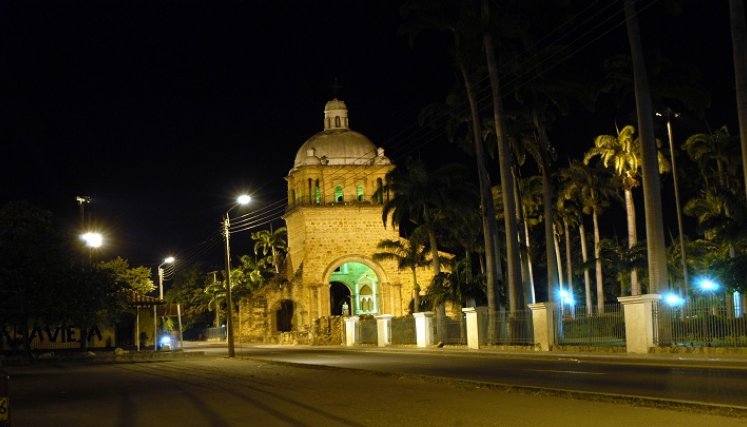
351, 331
384, 329
475, 334
639, 321
424, 328
543, 321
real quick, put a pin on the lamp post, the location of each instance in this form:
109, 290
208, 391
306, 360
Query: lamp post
241, 200
168, 260
668, 114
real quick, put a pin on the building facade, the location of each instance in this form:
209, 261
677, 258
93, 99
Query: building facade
334, 223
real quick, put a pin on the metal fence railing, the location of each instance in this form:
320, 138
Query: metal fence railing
510, 328
455, 331
403, 331
368, 330
575, 326
699, 322
218, 333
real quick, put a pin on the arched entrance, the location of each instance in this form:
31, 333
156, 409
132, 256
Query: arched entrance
360, 284
284, 316
339, 296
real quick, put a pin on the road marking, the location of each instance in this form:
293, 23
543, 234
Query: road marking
566, 372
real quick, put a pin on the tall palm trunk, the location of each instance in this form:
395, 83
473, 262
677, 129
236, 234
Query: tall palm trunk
489, 225
415, 291
657, 257
585, 258
527, 275
598, 264
635, 287
568, 257
547, 192
507, 187
739, 49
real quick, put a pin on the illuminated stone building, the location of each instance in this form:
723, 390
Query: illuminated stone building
334, 224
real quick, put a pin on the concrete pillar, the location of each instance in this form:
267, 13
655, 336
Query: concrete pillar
475, 334
384, 329
352, 336
424, 328
543, 320
639, 321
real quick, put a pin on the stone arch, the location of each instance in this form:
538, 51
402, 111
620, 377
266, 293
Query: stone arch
367, 261
363, 277
295, 316
339, 298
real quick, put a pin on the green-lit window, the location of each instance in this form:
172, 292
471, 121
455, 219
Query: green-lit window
339, 194
359, 193
317, 193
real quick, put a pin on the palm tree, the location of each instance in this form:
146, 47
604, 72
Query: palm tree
656, 245
593, 187
408, 254
271, 243
505, 167
622, 154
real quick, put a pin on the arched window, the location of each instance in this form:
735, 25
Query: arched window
359, 193
339, 194
337, 121
379, 191
329, 123
317, 193
309, 191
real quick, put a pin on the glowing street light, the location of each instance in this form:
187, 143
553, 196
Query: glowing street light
241, 200
92, 239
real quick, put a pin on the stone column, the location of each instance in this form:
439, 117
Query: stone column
384, 329
424, 328
543, 320
351, 331
475, 334
639, 321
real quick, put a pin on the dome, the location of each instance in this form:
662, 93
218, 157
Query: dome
337, 144
337, 147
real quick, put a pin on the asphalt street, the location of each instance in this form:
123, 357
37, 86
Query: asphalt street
689, 380
212, 390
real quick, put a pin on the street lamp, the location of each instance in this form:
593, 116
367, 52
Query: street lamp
241, 200
168, 260
668, 114
93, 241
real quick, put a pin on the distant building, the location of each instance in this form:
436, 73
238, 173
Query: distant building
334, 224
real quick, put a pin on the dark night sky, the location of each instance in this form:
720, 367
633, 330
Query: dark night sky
163, 110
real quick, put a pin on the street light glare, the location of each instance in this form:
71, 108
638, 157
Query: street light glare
673, 300
169, 260
93, 240
244, 199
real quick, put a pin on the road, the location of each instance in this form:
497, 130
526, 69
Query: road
723, 385
215, 391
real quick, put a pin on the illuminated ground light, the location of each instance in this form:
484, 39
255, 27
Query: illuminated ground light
707, 284
673, 300
566, 297
165, 341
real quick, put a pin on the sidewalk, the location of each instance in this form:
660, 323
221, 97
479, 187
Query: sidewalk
725, 358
